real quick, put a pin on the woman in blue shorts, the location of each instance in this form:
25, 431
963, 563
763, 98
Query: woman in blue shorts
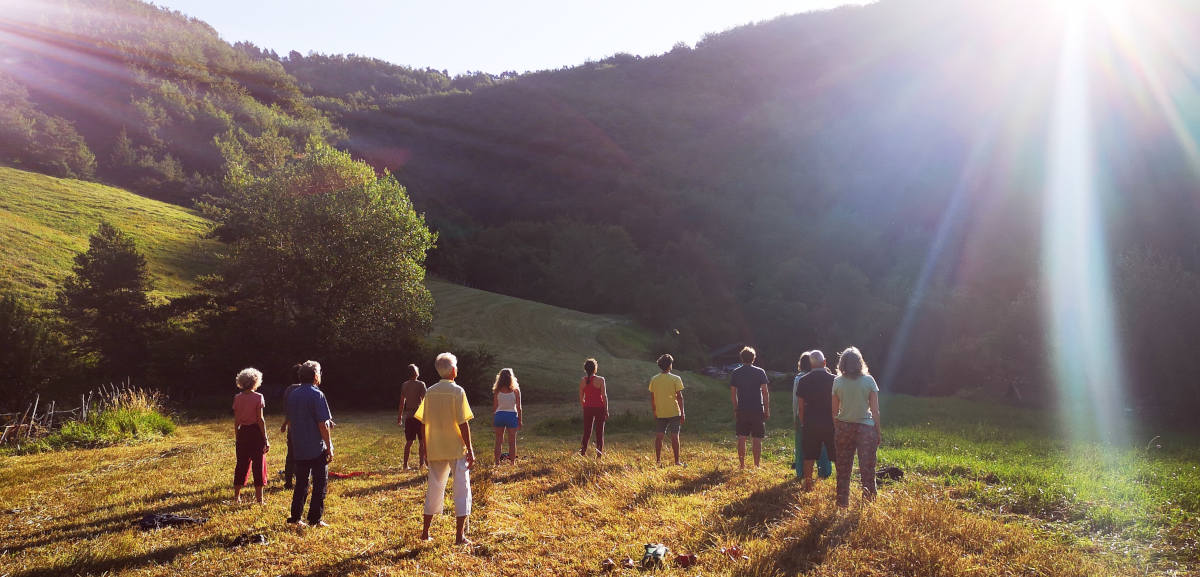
506, 405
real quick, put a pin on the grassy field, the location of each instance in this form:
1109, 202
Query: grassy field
989, 490
45, 222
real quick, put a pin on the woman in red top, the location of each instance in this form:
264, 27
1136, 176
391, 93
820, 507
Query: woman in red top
594, 398
250, 430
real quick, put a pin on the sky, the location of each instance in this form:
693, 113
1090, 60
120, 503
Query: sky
482, 35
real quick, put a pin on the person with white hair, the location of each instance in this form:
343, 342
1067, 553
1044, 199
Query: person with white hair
856, 426
250, 432
446, 416
308, 422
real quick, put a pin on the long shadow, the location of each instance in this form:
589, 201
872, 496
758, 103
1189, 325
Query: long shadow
155, 557
396, 486
809, 549
89, 529
753, 514
524, 474
363, 562
703, 482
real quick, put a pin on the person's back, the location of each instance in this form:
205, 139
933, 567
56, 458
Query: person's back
816, 390
748, 381
306, 409
411, 393
443, 410
854, 398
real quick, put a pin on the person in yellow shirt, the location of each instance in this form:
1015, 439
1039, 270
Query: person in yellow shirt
446, 415
666, 399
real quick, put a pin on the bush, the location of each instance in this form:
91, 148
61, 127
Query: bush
119, 415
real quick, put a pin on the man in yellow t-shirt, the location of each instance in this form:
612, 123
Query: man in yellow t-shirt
666, 399
445, 414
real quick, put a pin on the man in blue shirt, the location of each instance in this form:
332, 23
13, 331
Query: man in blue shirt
312, 449
751, 404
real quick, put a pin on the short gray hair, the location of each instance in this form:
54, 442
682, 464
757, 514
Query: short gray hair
249, 379
816, 357
444, 363
309, 371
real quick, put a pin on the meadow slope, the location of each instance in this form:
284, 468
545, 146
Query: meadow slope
46, 221
989, 490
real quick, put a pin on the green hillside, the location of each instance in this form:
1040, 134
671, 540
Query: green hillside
546, 345
45, 222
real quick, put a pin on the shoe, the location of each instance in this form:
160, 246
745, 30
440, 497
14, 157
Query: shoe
297, 522
318, 524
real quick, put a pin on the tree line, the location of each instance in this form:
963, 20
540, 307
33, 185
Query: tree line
868, 175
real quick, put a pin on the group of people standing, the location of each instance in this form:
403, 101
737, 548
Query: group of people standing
837, 414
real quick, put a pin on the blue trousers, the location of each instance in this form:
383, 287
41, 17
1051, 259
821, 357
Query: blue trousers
319, 470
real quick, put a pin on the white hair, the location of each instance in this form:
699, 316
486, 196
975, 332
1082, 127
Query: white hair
249, 379
444, 363
816, 357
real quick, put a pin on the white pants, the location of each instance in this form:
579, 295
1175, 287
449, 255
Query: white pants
435, 496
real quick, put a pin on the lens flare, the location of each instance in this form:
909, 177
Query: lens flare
1086, 357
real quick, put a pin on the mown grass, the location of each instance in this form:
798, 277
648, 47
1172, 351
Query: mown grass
45, 222
552, 513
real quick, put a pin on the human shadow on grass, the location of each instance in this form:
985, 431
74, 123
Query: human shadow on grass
524, 475
701, 483
807, 549
88, 529
395, 486
159, 556
752, 515
364, 562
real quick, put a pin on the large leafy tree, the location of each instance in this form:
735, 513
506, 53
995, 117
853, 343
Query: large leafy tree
324, 256
105, 303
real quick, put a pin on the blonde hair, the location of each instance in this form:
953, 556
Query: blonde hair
249, 379
505, 379
444, 363
851, 363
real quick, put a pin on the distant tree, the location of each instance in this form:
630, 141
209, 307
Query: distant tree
324, 255
105, 303
31, 356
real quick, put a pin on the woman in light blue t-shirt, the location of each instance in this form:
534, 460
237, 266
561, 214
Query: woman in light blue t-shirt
856, 423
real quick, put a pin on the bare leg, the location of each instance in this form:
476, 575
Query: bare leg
237, 493
741, 452
424, 458
499, 442
807, 474
658, 447
512, 444
425, 528
407, 446
757, 442
258, 493
460, 531
675, 447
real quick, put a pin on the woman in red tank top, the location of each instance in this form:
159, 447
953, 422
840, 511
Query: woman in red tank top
593, 396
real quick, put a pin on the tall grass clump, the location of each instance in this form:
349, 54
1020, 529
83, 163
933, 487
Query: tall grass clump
114, 415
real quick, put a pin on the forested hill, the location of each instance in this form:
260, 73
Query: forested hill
870, 175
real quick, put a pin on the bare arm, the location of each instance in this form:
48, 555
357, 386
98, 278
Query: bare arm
873, 402
800, 411
520, 410
766, 394
465, 430
323, 427
262, 425
495, 402
682, 412
604, 396
733, 395
582, 384
653, 408
837, 406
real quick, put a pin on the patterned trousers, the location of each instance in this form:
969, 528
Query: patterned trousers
851, 438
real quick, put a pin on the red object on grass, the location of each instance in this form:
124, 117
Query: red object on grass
347, 475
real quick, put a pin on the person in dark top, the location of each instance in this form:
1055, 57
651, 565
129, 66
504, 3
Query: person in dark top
289, 463
751, 404
814, 413
308, 423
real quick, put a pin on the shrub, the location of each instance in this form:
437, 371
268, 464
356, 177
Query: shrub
116, 415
